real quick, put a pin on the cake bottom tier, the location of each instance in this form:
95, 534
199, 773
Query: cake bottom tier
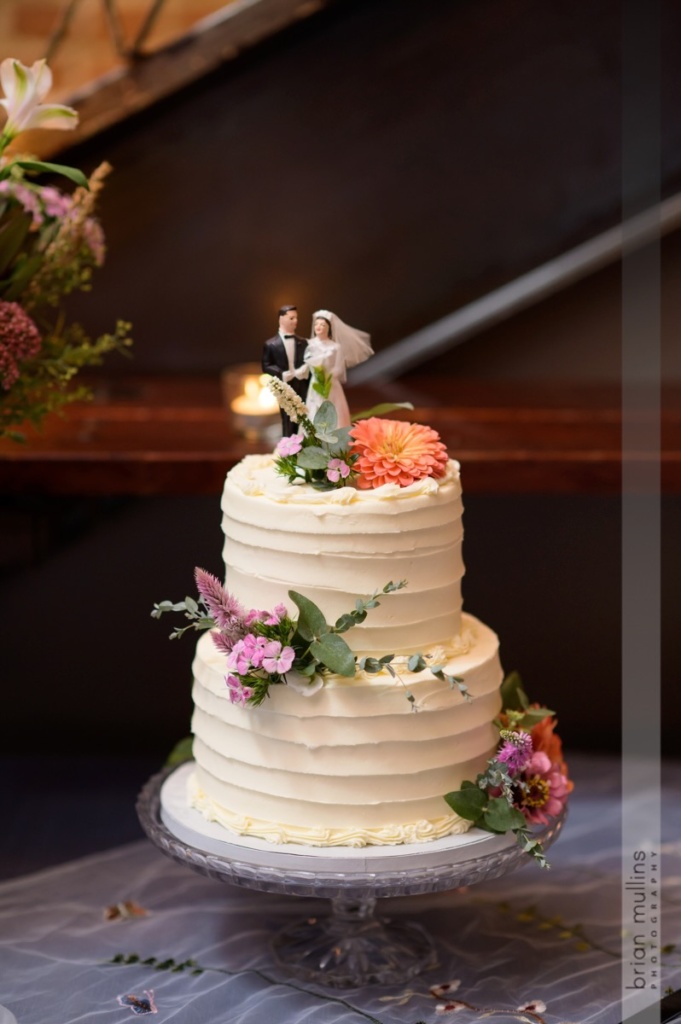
363, 761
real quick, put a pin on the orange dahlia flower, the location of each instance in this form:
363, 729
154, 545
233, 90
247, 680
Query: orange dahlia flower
393, 452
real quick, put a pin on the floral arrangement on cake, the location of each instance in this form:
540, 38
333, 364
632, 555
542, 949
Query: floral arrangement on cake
264, 648
50, 243
370, 453
526, 782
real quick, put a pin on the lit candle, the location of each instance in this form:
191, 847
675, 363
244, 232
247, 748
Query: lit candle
256, 400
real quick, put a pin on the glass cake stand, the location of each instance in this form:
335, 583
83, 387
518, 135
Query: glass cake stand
351, 946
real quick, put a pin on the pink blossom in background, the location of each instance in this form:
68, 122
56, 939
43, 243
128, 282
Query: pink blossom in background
55, 203
93, 236
19, 339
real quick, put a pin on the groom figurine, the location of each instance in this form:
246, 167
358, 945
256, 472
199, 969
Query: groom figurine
282, 357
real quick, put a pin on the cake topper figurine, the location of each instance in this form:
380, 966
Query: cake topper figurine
283, 357
333, 348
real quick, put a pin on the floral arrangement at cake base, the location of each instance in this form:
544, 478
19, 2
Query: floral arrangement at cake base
50, 244
526, 783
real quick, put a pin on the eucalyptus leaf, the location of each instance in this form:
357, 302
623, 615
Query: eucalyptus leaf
311, 622
346, 622
40, 166
370, 665
313, 457
342, 440
326, 418
331, 650
499, 816
379, 410
468, 803
416, 663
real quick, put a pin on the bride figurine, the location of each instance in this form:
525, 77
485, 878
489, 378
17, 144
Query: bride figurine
333, 348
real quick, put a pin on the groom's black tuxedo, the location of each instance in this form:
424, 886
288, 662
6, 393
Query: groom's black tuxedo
275, 362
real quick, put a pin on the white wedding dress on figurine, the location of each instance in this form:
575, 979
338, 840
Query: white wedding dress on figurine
334, 351
328, 356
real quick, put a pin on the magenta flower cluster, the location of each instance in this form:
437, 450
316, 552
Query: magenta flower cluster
19, 339
253, 641
515, 751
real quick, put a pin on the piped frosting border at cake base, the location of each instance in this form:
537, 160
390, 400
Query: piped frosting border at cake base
279, 833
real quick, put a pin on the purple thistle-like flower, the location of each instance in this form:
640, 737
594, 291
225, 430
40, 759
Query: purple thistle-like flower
222, 606
516, 750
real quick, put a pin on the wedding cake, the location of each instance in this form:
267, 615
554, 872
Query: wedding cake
359, 756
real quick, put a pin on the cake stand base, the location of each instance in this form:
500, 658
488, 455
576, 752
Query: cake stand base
352, 947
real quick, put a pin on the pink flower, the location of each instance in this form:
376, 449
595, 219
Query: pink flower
272, 618
394, 452
278, 661
239, 658
543, 789
238, 693
337, 469
19, 339
280, 612
289, 445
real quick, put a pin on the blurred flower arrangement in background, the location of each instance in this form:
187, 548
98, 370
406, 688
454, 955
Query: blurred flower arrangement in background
50, 243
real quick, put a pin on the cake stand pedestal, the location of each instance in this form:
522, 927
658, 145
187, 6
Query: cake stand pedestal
350, 947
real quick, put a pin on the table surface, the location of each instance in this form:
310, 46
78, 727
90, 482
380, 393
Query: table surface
202, 946
169, 435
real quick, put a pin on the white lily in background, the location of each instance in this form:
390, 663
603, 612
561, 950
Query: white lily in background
24, 90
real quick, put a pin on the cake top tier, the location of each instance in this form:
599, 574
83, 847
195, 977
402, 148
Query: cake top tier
260, 475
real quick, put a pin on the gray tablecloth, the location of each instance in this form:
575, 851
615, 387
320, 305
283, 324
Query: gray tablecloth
202, 947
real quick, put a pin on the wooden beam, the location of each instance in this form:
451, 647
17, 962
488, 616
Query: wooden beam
152, 77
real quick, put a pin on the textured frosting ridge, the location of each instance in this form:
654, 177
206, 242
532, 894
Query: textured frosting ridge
334, 546
363, 760
354, 760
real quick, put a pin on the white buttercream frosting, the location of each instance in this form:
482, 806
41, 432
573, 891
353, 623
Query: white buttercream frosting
351, 763
334, 546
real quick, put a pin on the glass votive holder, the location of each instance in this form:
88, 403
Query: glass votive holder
252, 408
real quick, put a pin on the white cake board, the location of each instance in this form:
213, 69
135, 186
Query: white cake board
189, 826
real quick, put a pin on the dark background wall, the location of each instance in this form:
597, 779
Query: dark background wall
385, 159
390, 160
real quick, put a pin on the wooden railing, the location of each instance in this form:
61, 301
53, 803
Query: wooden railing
172, 436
